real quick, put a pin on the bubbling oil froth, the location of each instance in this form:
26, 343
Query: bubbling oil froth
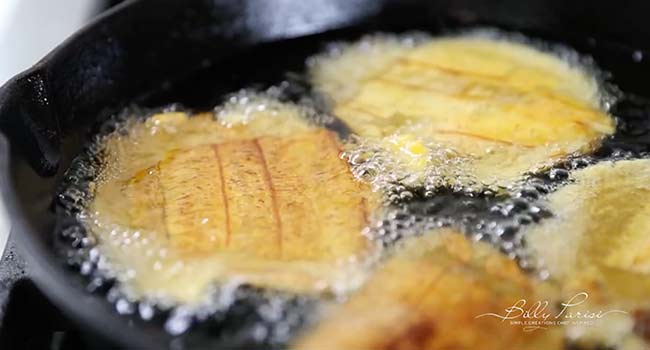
446, 198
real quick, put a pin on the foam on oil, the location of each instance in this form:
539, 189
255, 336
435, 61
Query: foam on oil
442, 195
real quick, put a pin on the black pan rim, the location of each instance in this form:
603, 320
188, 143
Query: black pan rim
50, 279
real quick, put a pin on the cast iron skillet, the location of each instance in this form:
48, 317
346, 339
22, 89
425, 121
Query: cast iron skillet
154, 52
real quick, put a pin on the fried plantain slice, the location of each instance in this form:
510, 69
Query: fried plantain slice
428, 296
198, 202
597, 243
502, 108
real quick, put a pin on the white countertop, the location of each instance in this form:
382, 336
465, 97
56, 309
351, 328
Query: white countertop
4, 227
28, 30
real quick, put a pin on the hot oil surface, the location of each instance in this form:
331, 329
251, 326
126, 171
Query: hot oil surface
248, 315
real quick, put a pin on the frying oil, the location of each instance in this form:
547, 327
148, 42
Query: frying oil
441, 195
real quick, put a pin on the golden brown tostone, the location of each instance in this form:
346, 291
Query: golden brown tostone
428, 296
263, 206
506, 108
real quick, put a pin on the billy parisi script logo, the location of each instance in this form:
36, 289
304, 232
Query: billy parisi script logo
539, 315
